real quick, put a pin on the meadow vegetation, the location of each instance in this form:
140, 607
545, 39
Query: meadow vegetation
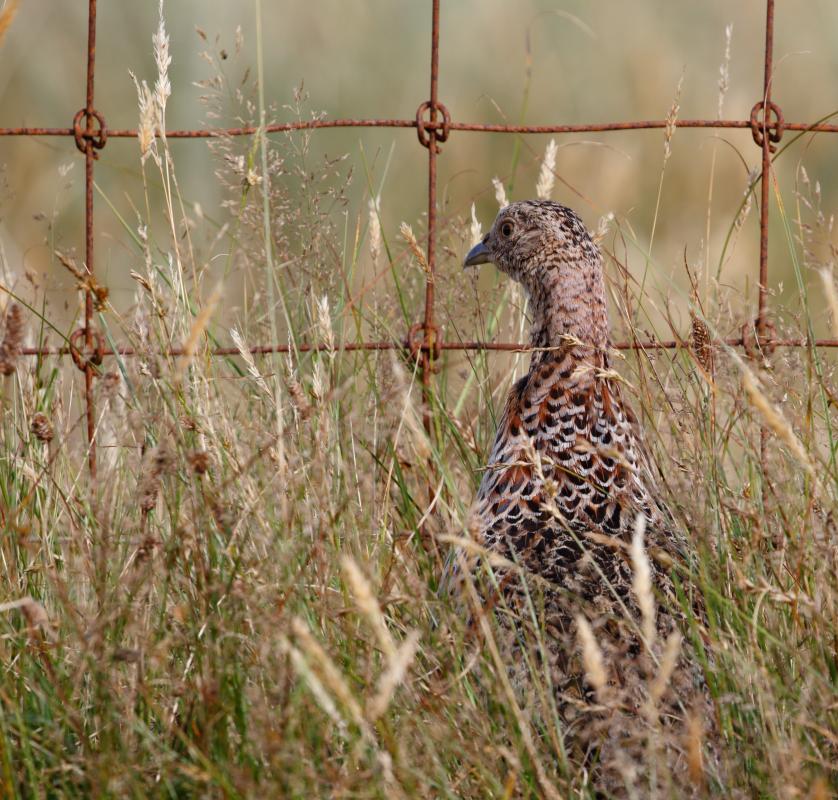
245, 600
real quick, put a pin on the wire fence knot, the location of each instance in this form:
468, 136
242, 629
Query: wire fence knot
88, 137
759, 338
440, 129
422, 338
90, 357
762, 124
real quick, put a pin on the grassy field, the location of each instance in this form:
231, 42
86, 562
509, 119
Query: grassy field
245, 601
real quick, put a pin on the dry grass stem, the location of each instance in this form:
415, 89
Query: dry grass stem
695, 750
393, 676
828, 280
199, 325
331, 676
668, 663
776, 421
315, 686
409, 418
368, 606
642, 582
278, 583
547, 173
33, 612
592, 658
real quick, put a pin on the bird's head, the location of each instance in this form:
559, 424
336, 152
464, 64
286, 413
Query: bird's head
531, 239
547, 248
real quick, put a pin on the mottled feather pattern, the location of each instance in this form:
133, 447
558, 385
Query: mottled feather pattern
566, 479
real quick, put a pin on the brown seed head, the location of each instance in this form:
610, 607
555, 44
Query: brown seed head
41, 427
10, 348
701, 344
199, 460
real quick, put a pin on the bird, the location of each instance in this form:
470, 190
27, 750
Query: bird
568, 488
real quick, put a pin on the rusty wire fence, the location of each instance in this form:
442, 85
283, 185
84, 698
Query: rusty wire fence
433, 124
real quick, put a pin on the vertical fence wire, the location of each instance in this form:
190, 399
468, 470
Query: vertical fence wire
89, 160
765, 194
762, 302
433, 148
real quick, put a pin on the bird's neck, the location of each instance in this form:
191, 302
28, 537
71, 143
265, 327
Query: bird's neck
567, 305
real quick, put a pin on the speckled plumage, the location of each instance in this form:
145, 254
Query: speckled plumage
566, 479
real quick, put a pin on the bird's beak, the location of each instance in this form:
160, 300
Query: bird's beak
479, 254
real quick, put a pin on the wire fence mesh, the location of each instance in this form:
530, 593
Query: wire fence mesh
433, 125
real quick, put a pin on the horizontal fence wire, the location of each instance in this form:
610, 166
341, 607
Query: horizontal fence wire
350, 347
433, 125
467, 127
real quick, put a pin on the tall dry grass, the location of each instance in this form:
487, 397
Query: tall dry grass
245, 601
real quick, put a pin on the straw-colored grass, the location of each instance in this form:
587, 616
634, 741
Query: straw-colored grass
245, 601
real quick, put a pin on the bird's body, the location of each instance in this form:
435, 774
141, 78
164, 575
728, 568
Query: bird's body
566, 480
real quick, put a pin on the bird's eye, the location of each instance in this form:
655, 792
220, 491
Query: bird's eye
506, 229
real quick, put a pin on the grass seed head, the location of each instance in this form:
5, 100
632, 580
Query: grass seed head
475, 228
701, 343
375, 228
724, 70
547, 173
828, 280
672, 120
368, 605
41, 427
668, 663
158, 462
642, 581
247, 356
163, 60
33, 612
775, 420
324, 323
199, 460
393, 676
591, 657
148, 125
12, 345
500, 192
331, 676
413, 244
695, 754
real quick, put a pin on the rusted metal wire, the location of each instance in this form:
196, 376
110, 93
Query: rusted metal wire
433, 125
766, 137
410, 346
462, 127
431, 132
89, 140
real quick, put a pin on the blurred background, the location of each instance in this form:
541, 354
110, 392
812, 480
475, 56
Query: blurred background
534, 61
